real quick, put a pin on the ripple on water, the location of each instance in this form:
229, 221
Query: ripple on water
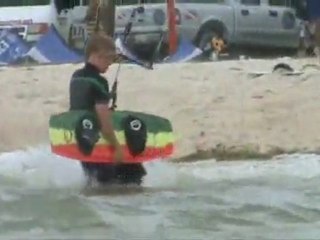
248, 200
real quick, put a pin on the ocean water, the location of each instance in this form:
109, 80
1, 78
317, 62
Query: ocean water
43, 196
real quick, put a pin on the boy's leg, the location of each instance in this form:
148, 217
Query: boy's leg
130, 173
99, 172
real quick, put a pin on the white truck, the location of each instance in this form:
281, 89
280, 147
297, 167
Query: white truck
261, 23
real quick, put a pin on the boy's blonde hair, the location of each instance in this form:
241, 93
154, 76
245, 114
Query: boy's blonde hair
98, 43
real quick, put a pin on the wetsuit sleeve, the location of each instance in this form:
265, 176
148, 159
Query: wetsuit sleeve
101, 94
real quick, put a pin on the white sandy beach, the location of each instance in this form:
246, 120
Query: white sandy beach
220, 99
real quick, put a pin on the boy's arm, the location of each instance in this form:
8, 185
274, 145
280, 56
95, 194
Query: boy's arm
105, 120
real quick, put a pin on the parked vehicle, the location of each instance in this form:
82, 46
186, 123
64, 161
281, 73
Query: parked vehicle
261, 23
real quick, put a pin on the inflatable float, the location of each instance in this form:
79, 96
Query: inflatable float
144, 137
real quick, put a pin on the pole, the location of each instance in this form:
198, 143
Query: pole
107, 16
173, 36
92, 10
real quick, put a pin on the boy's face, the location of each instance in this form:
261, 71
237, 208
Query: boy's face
104, 60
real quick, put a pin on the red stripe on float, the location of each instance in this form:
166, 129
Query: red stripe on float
104, 154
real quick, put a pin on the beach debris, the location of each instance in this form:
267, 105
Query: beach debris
283, 69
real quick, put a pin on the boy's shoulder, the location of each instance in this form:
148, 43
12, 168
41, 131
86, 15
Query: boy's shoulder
81, 73
78, 72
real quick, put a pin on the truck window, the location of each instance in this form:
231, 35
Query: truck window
250, 2
154, 1
68, 4
132, 2
201, 1
283, 3
22, 3
127, 2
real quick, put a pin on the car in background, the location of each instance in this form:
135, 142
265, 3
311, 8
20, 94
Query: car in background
254, 23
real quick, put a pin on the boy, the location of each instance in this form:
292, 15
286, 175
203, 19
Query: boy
100, 53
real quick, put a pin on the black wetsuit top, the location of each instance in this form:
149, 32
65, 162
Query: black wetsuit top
88, 87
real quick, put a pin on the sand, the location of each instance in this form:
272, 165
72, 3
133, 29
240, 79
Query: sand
211, 105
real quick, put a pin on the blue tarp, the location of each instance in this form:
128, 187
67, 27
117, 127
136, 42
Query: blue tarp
52, 49
313, 9
12, 47
186, 51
